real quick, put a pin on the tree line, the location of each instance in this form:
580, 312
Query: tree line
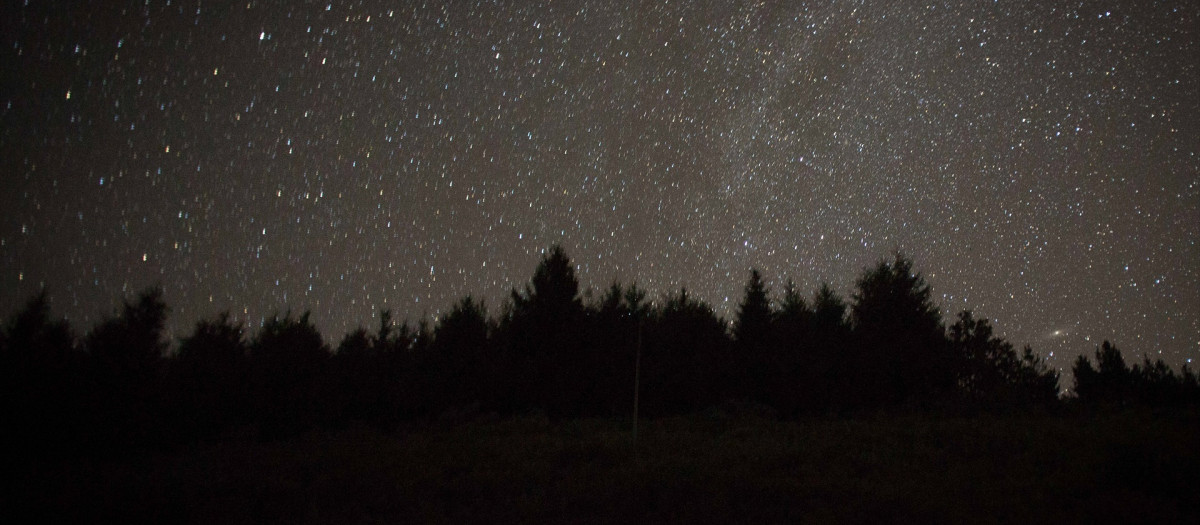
548, 351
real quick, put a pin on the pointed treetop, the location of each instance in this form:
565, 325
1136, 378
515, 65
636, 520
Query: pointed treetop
754, 312
554, 286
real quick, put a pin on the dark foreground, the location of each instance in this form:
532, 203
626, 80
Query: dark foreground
1130, 467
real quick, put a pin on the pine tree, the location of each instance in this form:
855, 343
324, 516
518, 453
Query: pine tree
755, 366
992, 373
753, 322
792, 350
544, 334
458, 356
901, 348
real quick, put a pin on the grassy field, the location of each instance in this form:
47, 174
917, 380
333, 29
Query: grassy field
1124, 468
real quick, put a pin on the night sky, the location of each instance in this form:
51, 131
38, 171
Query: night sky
1039, 161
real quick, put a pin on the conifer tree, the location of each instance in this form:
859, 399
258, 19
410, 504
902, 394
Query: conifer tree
755, 365
902, 353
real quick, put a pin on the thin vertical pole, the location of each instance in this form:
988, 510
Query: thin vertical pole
637, 373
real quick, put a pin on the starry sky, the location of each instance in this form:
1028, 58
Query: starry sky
1037, 160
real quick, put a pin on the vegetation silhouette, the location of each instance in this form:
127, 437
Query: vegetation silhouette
1151, 383
44, 376
209, 375
289, 372
547, 352
126, 354
898, 343
685, 348
991, 372
753, 366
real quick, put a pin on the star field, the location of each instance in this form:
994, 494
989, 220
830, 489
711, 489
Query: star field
1037, 160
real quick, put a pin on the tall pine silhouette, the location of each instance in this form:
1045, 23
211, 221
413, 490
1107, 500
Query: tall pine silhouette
901, 350
544, 337
755, 366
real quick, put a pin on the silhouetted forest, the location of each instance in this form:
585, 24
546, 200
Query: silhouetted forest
547, 351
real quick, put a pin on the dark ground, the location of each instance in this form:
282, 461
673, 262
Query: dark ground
1097, 468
